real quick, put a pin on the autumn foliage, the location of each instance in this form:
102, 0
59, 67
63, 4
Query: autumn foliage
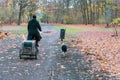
3, 34
101, 49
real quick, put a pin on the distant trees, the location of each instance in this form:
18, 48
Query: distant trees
17, 10
82, 11
5, 11
26, 7
60, 11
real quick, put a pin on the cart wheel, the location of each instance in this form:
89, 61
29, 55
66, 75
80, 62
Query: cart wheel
37, 49
20, 53
20, 56
35, 56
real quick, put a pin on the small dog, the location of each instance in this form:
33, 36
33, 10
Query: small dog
64, 49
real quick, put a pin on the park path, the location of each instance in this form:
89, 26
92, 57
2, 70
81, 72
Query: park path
49, 65
13, 68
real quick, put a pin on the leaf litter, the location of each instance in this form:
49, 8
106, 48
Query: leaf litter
102, 49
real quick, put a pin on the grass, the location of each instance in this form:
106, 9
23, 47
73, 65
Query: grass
15, 30
22, 30
75, 30
68, 30
72, 32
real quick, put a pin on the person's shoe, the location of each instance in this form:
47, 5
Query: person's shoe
37, 45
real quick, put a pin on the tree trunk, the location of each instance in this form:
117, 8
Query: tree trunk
93, 15
19, 17
91, 12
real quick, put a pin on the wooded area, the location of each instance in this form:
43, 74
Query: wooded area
60, 11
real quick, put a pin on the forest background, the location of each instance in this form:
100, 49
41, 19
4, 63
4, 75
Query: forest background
60, 11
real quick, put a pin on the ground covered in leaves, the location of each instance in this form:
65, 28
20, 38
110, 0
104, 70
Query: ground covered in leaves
90, 56
102, 49
86, 61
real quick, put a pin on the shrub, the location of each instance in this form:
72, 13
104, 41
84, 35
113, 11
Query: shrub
68, 20
116, 21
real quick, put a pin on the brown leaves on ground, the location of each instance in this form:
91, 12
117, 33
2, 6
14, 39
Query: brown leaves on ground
102, 49
3, 34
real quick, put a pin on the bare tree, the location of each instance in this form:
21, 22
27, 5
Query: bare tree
23, 4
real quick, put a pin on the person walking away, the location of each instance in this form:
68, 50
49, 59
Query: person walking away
33, 30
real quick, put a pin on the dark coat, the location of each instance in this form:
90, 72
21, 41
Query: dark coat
33, 30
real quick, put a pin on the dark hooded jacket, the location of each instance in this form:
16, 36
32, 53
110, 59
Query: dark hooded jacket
33, 30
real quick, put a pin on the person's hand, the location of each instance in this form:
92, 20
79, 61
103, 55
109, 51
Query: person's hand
41, 32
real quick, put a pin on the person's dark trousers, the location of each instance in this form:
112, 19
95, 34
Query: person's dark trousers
37, 43
30, 37
36, 37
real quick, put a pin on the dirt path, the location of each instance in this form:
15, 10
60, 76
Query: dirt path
12, 68
49, 65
